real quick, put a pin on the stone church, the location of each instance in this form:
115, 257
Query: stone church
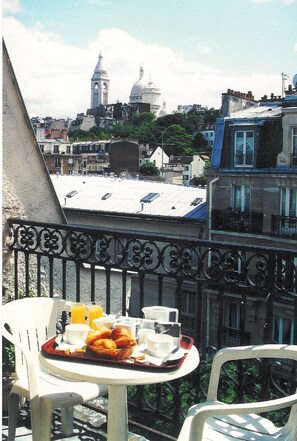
145, 96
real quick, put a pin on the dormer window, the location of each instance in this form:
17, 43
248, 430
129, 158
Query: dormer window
244, 148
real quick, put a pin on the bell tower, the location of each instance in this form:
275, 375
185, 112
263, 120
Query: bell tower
99, 85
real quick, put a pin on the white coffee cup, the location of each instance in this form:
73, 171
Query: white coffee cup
76, 333
159, 345
143, 334
107, 320
148, 323
131, 326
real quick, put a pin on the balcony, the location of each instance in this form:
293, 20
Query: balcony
284, 226
239, 221
127, 271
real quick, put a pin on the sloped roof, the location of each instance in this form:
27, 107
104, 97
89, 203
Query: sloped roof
181, 160
93, 193
257, 112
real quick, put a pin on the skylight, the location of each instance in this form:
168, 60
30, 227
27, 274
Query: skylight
196, 201
106, 196
71, 194
149, 197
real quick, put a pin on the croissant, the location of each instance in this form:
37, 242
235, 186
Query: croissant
120, 331
105, 343
100, 333
125, 342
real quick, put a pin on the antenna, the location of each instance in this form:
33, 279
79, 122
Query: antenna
284, 77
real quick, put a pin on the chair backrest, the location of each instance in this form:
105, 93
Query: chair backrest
271, 351
31, 321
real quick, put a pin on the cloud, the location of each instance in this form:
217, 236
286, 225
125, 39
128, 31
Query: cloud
54, 77
12, 6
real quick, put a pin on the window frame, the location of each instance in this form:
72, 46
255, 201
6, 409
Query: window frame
293, 150
280, 329
245, 198
288, 201
245, 132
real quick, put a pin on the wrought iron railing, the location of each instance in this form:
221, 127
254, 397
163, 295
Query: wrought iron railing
127, 271
284, 226
234, 220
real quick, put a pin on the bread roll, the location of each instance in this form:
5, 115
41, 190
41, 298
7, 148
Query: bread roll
125, 342
106, 343
120, 331
101, 333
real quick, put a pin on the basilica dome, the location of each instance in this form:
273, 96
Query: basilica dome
146, 92
138, 88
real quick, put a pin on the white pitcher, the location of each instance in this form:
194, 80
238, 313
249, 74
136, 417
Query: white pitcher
161, 313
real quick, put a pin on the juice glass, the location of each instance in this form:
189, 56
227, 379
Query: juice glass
78, 313
95, 311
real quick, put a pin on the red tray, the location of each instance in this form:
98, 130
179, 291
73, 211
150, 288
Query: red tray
48, 350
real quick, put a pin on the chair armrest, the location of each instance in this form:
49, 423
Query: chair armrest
198, 414
31, 364
243, 353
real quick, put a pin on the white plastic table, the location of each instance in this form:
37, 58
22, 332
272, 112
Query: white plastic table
118, 378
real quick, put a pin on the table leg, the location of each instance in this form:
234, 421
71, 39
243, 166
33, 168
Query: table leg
117, 417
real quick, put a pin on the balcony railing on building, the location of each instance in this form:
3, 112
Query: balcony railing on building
284, 226
204, 280
234, 220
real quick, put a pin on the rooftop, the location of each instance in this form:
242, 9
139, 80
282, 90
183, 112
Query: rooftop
258, 112
112, 194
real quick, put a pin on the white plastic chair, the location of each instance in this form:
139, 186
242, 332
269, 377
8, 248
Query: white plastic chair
216, 421
31, 322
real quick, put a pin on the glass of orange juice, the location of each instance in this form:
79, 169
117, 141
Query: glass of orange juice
78, 313
95, 311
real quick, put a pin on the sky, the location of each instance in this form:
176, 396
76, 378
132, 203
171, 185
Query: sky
193, 50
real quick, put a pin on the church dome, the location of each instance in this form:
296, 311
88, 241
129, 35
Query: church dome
138, 88
163, 111
146, 92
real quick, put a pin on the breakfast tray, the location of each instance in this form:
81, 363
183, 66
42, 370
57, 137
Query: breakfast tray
49, 349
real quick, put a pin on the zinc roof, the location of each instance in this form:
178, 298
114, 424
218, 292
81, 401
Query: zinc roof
124, 196
258, 112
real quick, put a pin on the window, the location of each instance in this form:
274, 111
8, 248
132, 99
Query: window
244, 148
69, 149
232, 315
294, 147
283, 330
242, 198
288, 201
56, 149
188, 312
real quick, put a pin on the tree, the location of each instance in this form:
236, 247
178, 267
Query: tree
180, 141
199, 141
149, 169
141, 118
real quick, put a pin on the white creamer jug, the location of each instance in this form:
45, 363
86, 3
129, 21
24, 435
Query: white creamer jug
161, 313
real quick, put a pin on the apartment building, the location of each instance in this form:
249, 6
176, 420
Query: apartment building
252, 199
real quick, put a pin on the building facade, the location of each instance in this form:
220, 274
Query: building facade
252, 200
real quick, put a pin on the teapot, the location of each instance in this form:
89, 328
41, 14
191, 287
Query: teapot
161, 313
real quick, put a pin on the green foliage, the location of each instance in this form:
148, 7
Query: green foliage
176, 131
149, 169
199, 141
8, 357
142, 118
